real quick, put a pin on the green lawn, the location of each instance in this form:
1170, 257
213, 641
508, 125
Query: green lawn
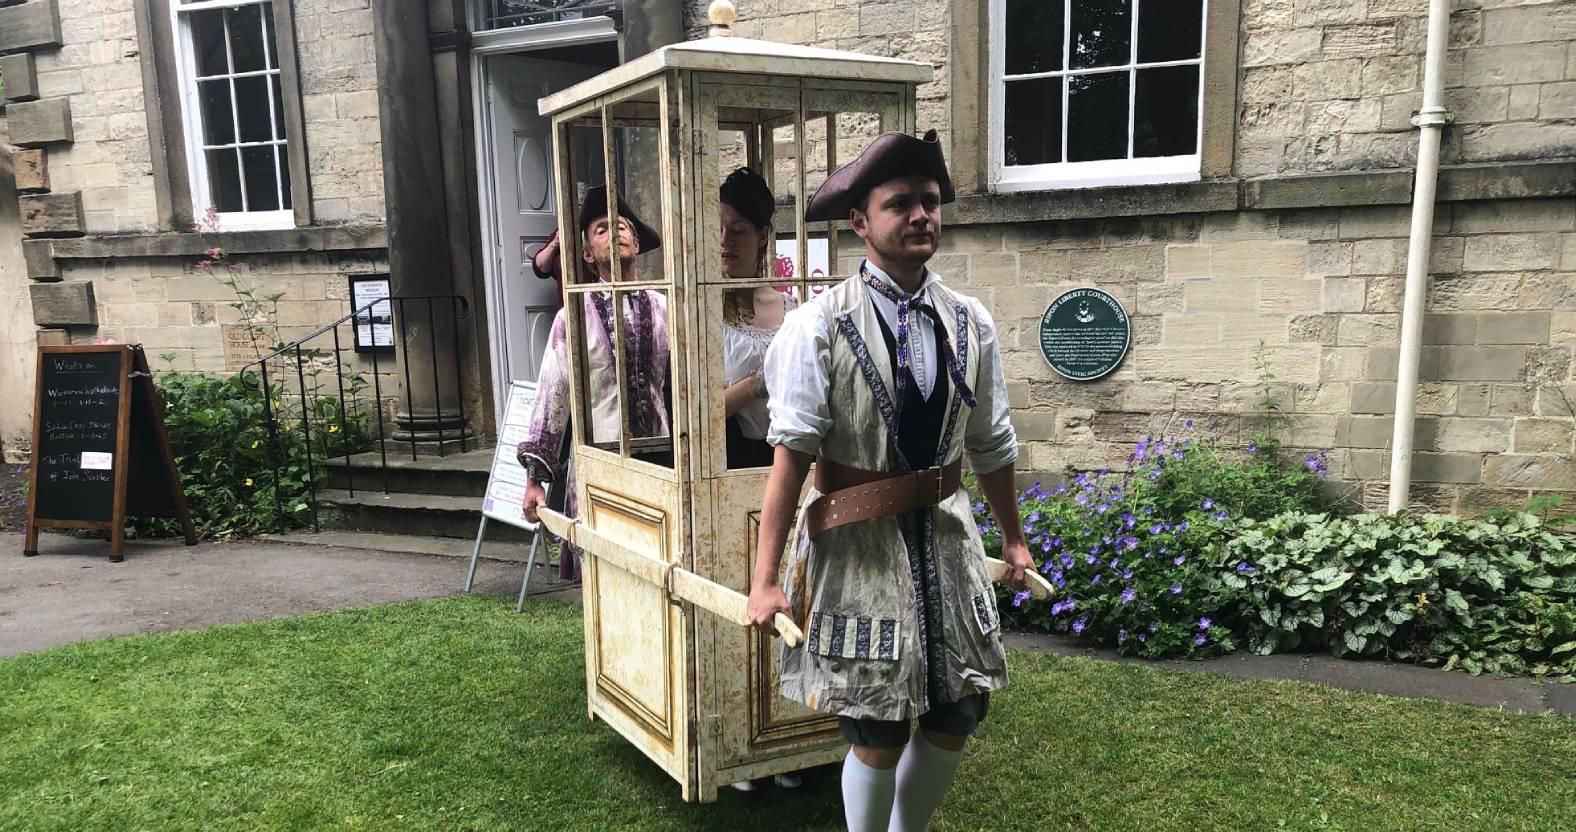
460, 714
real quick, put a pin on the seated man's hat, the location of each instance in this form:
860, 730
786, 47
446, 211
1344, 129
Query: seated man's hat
890, 156
594, 207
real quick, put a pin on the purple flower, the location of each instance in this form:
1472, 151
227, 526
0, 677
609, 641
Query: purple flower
1091, 559
1127, 574
1189, 423
1121, 637
1035, 517
1129, 543
1046, 567
1253, 447
1058, 578
1142, 638
1079, 625
1157, 528
1198, 640
1096, 579
1066, 561
1176, 589
1220, 516
1209, 503
1128, 519
1103, 508
1179, 560
1182, 527
1243, 568
1153, 626
1019, 597
1116, 563
1061, 489
1128, 595
1082, 499
1204, 623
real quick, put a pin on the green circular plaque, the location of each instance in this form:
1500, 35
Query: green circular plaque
1084, 334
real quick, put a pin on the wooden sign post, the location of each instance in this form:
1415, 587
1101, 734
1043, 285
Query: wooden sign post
99, 447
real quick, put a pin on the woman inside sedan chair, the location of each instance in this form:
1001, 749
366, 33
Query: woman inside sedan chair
751, 318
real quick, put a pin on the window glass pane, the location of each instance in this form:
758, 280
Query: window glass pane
284, 176
1170, 30
262, 188
246, 38
751, 317
208, 42
1033, 122
279, 108
218, 121
1033, 31
252, 109
1102, 33
224, 180
1097, 117
272, 52
1165, 112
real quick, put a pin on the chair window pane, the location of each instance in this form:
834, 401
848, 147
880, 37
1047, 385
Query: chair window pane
1097, 117
1102, 33
1165, 112
1170, 30
1034, 35
1033, 121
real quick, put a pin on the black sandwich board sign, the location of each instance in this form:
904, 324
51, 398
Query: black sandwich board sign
99, 447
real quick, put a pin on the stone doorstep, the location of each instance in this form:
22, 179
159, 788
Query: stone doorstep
1384, 678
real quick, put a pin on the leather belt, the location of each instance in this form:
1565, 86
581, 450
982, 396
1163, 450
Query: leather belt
850, 495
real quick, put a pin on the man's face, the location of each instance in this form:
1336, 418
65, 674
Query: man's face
598, 248
901, 219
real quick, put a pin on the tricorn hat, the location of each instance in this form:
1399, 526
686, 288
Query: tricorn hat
891, 155
594, 207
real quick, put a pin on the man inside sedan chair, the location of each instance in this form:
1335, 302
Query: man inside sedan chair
886, 381
646, 357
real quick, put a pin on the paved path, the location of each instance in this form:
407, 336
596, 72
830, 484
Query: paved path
71, 592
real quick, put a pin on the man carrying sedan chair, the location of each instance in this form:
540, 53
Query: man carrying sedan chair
887, 381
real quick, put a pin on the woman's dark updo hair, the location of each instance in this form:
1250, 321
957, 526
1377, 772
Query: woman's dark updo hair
746, 191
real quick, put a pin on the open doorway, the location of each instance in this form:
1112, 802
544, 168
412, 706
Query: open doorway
519, 202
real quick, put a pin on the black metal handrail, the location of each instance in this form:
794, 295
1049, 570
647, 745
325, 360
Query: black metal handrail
459, 309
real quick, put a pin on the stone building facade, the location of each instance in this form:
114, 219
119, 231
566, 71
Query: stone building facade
1289, 231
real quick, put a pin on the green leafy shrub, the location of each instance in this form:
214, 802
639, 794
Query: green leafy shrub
1121, 547
239, 479
1496, 594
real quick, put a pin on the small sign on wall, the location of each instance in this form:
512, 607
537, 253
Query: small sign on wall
369, 299
1084, 334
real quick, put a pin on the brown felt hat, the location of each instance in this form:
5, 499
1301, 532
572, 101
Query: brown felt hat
890, 156
594, 207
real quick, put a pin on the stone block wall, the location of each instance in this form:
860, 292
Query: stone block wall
1332, 84
1320, 290
339, 99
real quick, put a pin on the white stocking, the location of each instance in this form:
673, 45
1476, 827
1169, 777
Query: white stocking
867, 795
923, 777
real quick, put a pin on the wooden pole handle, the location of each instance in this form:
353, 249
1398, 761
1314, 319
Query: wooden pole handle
1039, 588
790, 632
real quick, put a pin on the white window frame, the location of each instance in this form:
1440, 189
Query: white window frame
1156, 170
191, 117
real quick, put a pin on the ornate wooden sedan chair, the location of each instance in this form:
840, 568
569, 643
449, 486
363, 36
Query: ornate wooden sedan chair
666, 529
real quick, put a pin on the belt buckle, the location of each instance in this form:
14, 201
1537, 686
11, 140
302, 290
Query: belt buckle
935, 471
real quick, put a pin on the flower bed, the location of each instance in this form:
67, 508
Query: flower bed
1194, 550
